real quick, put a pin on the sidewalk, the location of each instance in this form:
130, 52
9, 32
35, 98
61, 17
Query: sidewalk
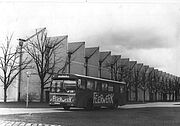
20, 108
151, 104
46, 105
12, 123
23, 105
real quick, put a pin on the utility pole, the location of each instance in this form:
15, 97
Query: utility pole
27, 89
20, 68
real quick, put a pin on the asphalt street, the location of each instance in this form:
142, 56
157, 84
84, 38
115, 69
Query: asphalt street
129, 114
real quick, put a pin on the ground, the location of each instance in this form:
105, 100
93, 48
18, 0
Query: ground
151, 114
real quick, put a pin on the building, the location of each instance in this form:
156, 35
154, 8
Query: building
76, 58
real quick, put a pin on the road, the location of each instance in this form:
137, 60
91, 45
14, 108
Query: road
151, 114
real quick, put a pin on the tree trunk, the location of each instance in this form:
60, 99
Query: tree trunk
170, 96
127, 95
42, 92
176, 95
156, 96
136, 93
173, 96
151, 96
5, 94
144, 96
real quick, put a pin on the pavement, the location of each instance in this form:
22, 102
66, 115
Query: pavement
152, 104
12, 123
23, 105
20, 108
10, 108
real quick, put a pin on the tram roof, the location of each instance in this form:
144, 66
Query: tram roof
90, 77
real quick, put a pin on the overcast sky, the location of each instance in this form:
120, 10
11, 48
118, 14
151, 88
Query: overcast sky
148, 32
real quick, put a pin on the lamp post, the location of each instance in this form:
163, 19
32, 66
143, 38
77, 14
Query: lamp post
27, 89
20, 62
69, 61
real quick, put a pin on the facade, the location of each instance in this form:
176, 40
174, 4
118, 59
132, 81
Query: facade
78, 59
75, 59
12, 91
104, 61
34, 80
92, 61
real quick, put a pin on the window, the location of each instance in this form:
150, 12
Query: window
81, 84
104, 86
70, 86
121, 89
110, 87
63, 86
97, 86
90, 85
54, 86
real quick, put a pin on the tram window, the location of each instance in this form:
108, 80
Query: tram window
52, 89
110, 87
95, 85
121, 89
54, 86
98, 86
104, 86
81, 84
59, 86
90, 85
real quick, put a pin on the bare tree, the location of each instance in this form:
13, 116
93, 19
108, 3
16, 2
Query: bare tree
157, 85
136, 77
129, 78
176, 87
113, 67
9, 64
143, 85
43, 51
150, 82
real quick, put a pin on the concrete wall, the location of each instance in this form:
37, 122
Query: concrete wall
12, 91
34, 81
77, 66
60, 53
93, 61
33, 87
105, 70
123, 67
77, 57
115, 62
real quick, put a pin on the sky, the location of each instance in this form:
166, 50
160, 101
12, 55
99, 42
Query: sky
145, 31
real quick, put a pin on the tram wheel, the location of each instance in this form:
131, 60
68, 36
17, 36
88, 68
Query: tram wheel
89, 105
115, 105
66, 107
97, 107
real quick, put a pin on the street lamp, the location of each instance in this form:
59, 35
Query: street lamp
27, 89
20, 62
